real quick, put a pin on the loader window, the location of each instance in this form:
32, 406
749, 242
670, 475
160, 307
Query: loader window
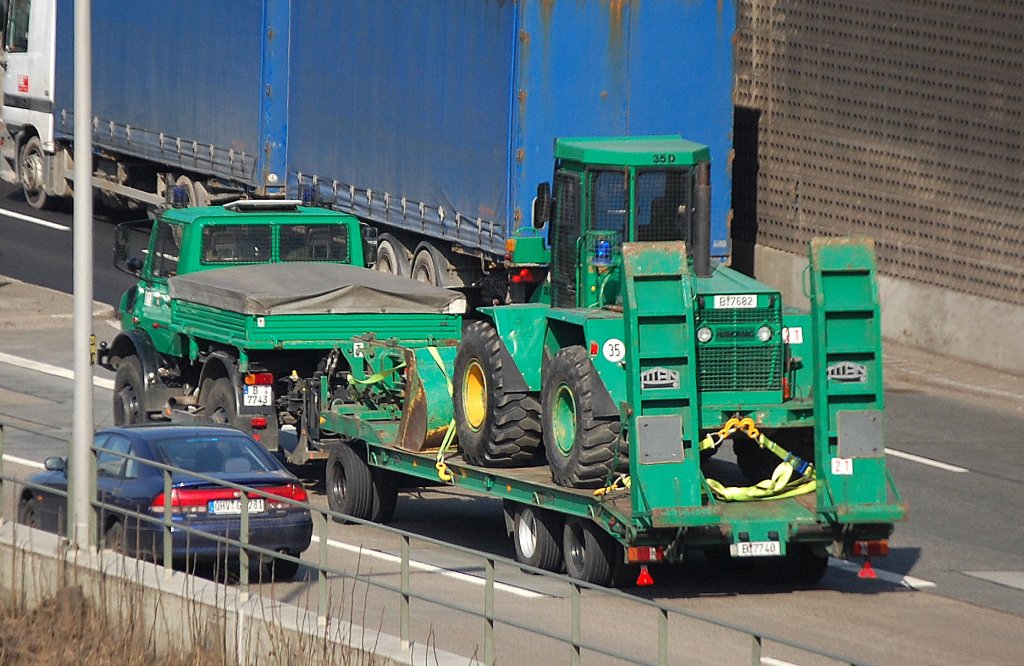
166, 248
236, 244
664, 205
609, 201
564, 251
17, 26
314, 242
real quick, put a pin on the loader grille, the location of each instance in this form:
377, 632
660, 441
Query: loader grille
735, 360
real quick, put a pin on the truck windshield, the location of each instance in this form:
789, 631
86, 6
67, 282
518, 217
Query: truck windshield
664, 208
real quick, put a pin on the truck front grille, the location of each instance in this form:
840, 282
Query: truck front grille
734, 360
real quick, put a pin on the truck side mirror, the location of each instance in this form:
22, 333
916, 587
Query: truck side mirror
369, 235
542, 205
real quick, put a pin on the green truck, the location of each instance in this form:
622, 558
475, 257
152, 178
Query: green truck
644, 404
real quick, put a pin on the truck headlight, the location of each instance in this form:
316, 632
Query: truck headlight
764, 334
704, 334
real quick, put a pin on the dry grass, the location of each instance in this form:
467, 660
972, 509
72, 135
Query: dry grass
68, 629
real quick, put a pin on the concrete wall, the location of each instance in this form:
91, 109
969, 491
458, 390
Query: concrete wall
944, 322
180, 612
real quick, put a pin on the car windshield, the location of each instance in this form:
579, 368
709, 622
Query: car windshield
212, 454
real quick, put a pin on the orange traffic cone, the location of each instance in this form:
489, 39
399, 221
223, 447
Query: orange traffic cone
867, 571
644, 579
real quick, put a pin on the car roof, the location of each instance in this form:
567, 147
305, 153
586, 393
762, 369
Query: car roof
150, 431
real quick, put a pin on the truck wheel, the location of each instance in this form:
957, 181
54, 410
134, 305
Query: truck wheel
496, 428
582, 450
219, 401
589, 552
32, 173
385, 495
349, 484
537, 535
804, 564
392, 256
129, 392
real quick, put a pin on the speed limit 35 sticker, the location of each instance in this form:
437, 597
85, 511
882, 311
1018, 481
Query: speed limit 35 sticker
613, 350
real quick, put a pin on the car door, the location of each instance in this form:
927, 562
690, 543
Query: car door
110, 466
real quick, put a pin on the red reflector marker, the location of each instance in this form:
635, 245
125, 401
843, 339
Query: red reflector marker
593, 348
867, 571
258, 422
644, 579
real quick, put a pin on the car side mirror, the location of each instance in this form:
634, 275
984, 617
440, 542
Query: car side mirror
54, 464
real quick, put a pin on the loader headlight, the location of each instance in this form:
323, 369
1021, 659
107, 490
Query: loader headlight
764, 334
704, 334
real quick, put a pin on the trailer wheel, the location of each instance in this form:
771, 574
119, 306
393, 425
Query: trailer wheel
32, 173
219, 401
392, 256
129, 392
589, 552
496, 428
385, 495
582, 449
349, 484
804, 564
537, 536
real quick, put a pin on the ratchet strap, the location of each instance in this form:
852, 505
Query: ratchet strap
449, 435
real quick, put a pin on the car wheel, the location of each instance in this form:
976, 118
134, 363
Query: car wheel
349, 483
275, 569
27, 512
537, 536
129, 392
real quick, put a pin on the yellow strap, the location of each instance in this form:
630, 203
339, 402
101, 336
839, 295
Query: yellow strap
449, 435
779, 486
377, 376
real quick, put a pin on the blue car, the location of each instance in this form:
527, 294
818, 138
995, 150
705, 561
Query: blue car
220, 452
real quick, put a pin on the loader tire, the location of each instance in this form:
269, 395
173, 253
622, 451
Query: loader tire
129, 392
496, 427
583, 450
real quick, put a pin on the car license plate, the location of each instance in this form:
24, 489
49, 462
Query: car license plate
730, 301
756, 549
233, 507
258, 396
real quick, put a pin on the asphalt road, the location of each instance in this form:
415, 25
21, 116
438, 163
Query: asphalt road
951, 592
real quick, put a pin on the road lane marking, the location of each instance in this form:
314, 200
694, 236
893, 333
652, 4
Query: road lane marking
23, 461
1013, 579
46, 368
430, 568
887, 576
33, 220
927, 461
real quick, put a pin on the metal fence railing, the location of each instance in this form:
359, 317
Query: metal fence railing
580, 594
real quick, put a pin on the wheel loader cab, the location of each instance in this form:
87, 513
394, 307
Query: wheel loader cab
611, 191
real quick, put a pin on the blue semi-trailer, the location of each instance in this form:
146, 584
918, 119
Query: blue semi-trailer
435, 121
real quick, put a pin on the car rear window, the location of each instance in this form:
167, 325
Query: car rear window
210, 454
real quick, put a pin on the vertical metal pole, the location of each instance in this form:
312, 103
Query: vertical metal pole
404, 611
321, 606
663, 637
489, 613
2, 448
168, 534
576, 632
81, 531
243, 552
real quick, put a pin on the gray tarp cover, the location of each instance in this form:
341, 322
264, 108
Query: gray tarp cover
309, 288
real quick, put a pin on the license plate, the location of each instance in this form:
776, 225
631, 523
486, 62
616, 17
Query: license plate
756, 549
731, 301
233, 507
258, 396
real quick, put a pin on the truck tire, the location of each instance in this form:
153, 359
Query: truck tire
392, 256
385, 495
589, 552
583, 450
32, 174
218, 400
349, 484
496, 428
129, 392
804, 564
538, 538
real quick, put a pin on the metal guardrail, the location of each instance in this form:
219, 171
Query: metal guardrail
577, 644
